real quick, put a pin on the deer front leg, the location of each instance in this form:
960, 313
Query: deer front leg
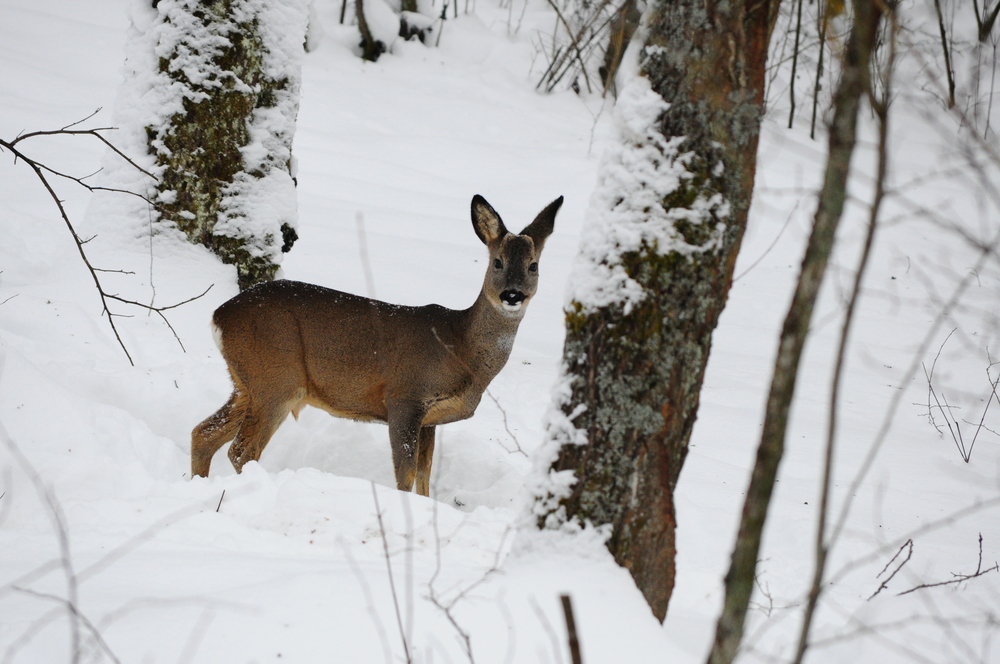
404, 428
425, 454
215, 432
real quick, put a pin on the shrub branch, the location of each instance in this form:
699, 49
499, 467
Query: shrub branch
43, 173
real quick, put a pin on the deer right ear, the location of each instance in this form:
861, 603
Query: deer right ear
485, 221
540, 229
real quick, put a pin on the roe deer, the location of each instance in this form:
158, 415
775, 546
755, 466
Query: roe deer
290, 344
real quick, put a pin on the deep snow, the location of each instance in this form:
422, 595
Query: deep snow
291, 564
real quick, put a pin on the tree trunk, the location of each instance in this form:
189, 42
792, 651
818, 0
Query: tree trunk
623, 26
224, 152
854, 83
656, 263
371, 48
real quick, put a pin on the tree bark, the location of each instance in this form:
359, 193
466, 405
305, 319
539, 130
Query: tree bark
634, 367
371, 48
224, 72
854, 83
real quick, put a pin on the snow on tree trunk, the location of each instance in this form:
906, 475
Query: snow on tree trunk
222, 107
656, 260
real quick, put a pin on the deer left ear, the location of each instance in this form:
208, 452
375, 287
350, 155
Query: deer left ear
486, 222
540, 229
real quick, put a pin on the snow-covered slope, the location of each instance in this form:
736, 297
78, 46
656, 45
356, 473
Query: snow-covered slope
287, 561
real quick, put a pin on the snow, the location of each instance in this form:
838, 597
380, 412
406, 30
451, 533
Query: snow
383, 22
286, 560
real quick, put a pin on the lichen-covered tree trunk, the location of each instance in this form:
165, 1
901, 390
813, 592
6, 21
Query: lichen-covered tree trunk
229, 73
661, 239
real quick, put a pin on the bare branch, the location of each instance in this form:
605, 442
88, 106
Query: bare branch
959, 578
575, 42
572, 637
392, 584
41, 170
881, 108
908, 544
75, 611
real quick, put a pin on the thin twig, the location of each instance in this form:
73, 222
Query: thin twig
73, 610
547, 626
58, 519
959, 578
432, 591
369, 601
447, 606
947, 54
392, 584
821, 11
575, 43
366, 266
795, 63
908, 544
774, 242
571, 635
40, 171
95, 133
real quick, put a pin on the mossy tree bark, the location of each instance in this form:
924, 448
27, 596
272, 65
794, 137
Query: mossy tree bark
231, 137
853, 86
634, 370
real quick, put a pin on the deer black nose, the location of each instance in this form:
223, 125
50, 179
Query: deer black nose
512, 298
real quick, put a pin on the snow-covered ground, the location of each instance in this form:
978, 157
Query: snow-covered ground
290, 564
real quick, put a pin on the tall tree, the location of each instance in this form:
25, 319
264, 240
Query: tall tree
661, 239
228, 84
854, 85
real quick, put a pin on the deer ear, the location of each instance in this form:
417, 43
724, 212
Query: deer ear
540, 229
486, 222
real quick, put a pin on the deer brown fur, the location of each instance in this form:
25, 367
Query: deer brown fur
289, 344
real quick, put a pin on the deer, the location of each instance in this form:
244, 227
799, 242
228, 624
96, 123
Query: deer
289, 344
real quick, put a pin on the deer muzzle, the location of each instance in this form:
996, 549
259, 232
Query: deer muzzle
512, 299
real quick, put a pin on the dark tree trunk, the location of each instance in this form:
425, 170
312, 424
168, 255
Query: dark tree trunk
635, 370
371, 48
854, 84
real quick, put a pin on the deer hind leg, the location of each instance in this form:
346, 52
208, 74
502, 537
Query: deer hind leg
259, 424
425, 454
214, 432
404, 428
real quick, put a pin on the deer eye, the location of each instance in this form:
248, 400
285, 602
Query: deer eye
497, 263
533, 267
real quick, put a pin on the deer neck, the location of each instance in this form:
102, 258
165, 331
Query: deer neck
489, 334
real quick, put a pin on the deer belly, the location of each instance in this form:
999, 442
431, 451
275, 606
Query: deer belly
355, 400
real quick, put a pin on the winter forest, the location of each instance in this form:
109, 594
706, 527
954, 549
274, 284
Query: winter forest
742, 408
